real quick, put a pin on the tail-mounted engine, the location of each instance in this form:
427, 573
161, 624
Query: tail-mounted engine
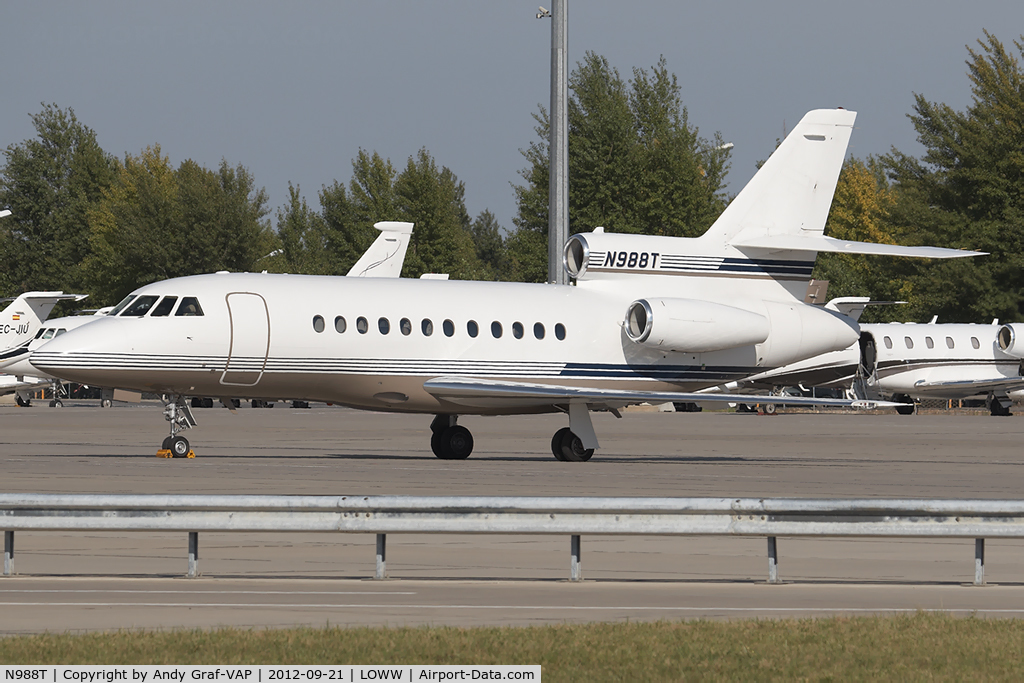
693, 326
785, 333
1011, 339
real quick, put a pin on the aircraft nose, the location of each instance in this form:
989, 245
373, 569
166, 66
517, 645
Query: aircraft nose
78, 354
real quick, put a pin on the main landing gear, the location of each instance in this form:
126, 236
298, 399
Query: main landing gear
451, 441
176, 411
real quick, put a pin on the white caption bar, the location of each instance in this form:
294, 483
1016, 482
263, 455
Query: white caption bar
265, 674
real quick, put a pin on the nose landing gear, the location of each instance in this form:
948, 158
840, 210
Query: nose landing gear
176, 411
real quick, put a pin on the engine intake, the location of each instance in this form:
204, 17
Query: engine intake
1011, 339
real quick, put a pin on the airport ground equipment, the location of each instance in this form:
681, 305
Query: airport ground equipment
572, 516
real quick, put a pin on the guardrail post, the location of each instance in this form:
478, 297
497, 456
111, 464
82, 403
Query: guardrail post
773, 561
979, 562
575, 568
193, 554
382, 547
8, 553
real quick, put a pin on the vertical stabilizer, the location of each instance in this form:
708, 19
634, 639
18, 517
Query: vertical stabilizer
792, 193
386, 255
20, 321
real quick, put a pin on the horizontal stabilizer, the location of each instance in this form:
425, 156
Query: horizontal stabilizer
820, 243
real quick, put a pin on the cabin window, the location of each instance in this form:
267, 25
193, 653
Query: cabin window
929, 343
48, 334
384, 325
888, 342
517, 330
59, 332
538, 330
472, 329
909, 342
164, 307
496, 329
949, 342
120, 307
189, 306
560, 331
449, 328
139, 307
340, 325
318, 323
427, 327
975, 343
362, 327
405, 325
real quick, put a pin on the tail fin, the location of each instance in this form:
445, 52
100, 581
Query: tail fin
22, 318
386, 255
792, 193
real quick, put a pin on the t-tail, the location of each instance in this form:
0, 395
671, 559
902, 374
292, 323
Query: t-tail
20, 321
773, 229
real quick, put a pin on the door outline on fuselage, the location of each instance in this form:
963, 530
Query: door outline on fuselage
249, 309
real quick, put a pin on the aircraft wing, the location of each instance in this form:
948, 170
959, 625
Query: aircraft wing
821, 243
970, 387
485, 393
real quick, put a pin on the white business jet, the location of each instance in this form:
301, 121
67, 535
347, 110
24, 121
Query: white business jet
907, 361
648, 320
20, 322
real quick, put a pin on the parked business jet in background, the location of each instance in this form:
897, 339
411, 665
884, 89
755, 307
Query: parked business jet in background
649, 319
906, 361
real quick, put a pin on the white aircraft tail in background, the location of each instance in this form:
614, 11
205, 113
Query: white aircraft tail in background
20, 321
386, 255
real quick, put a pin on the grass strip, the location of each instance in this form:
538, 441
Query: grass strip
908, 647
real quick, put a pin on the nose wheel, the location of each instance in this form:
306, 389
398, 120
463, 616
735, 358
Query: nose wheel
176, 412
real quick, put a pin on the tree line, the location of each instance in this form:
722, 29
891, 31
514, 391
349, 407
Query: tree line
85, 220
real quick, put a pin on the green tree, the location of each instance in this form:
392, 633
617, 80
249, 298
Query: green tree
305, 247
967, 191
635, 164
489, 244
49, 183
155, 222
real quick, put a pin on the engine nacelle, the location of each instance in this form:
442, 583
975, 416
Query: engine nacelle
1011, 339
800, 331
693, 326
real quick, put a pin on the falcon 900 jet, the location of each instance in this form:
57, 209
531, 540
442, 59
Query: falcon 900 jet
649, 319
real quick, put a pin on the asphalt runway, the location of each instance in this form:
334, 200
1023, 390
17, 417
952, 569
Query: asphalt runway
89, 581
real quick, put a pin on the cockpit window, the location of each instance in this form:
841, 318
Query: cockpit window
139, 307
164, 307
48, 333
40, 332
60, 332
189, 306
120, 307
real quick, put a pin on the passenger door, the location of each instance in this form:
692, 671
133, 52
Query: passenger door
250, 339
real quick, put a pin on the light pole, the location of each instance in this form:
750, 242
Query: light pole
558, 166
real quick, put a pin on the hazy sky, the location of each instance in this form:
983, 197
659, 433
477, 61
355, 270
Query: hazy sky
292, 90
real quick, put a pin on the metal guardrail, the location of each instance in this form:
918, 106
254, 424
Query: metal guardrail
381, 515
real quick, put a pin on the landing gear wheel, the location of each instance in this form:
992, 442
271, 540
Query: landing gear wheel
907, 409
166, 444
22, 403
556, 443
106, 403
771, 408
56, 403
452, 443
178, 447
571, 446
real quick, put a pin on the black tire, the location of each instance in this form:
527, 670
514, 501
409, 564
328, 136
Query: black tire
179, 447
196, 402
906, 409
207, 402
166, 444
106, 403
22, 403
771, 408
573, 450
453, 443
556, 443
56, 403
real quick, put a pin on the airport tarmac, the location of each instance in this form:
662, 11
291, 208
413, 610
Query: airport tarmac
86, 581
